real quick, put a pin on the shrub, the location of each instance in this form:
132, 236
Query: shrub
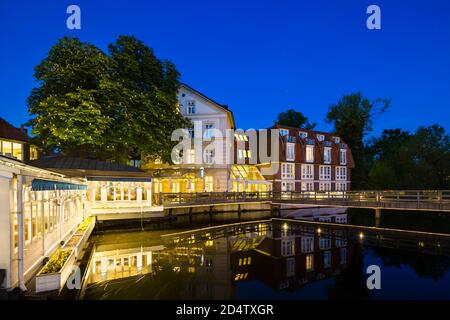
56, 262
85, 223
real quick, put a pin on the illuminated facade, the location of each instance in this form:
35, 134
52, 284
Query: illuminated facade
310, 161
215, 173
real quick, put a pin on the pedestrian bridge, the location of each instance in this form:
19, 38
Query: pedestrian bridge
428, 200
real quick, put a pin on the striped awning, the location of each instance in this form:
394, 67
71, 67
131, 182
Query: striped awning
44, 185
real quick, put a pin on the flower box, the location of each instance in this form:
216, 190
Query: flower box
55, 280
80, 237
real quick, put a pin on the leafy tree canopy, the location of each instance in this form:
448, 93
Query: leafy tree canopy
295, 119
109, 106
352, 117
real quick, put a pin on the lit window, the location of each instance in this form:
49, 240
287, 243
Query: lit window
7, 148
307, 171
284, 132
33, 153
290, 151
309, 262
327, 155
287, 171
309, 153
209, 185
336, 140
17, 151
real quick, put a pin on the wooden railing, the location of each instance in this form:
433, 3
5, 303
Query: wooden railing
396, 199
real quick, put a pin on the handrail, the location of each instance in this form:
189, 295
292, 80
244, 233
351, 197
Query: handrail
409, 199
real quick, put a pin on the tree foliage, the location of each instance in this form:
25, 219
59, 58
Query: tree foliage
415, 161
294, 119
352, 117
111, 106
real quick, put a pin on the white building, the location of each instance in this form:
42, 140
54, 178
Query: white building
212, 172
38, 210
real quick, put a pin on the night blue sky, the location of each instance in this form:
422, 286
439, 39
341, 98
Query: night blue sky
259, 57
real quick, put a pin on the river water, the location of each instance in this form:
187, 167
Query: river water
272, 259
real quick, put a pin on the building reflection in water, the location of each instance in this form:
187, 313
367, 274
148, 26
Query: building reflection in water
210, 265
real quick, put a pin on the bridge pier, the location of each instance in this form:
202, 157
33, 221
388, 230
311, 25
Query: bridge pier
275, 209
377, 217
211, 214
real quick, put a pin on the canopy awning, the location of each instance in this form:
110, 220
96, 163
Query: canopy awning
44, 185
120, 179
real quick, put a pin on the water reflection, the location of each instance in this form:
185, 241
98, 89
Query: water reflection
271, 259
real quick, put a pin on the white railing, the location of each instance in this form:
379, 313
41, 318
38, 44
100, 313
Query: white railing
395, 199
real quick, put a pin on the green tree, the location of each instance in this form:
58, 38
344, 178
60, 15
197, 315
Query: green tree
65, 106
149, 110
410, 161
352, 117
111, 107
295, 119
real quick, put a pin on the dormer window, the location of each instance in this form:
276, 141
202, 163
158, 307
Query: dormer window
302, 134
284, 132
191, 107
320, 137
336, 140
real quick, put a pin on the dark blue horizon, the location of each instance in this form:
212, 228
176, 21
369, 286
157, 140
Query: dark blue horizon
258, 57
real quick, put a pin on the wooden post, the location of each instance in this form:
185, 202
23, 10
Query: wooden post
211, 213
190, 215
239, 212
377, 217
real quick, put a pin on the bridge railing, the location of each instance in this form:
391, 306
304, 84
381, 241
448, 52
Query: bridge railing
420, 199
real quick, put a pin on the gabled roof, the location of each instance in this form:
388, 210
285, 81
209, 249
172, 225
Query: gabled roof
8, 131
221, 106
